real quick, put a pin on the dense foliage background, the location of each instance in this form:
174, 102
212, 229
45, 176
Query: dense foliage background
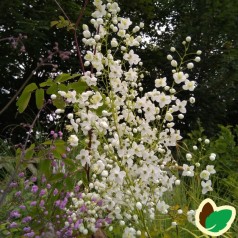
27, 38
211, 24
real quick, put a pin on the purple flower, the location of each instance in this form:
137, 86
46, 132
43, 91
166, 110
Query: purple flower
42, 192
42, 203
48, 186
33, 203
52, 132
27, 229
76, 189
83, 208
63, 203
60, 133
13, 225
33, 179
57, 203
17, 194
31, 234
108, 220
43, 179
13, 184
26, 184
100, 203
64, 156
77, 223
34, 188
23, 207
15, 214
55, 191
26, 219
21, 175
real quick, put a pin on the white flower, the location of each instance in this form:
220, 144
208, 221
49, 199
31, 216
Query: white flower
188, 170
163, 100
212, 156
191, 216
188, 38
73, 140
177, 182
174, 223
189, 85
131, 58
204, 175
124, 23
162, 207
190, 65
180, 106
206, 186
114, 43
210, 169
169, 57
180, 116
129, 232
87, 34
139, 205
53, 96
192, 100
116, 175
89, 78
161, 82
172, 49
179, 77
96, 100
168, 117
174, 63
84, 157
199, 52
197, 59
188, 156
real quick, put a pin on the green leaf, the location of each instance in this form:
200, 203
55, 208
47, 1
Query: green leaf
45, 167
79, 86
218, 220
30, 88
69, 183
48, 82
53, 23
65, 77
30, 151
57, 177
40, 98
23, 101
59, 102
56, 154
52, 89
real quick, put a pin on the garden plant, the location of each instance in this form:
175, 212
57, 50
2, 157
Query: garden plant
115, 164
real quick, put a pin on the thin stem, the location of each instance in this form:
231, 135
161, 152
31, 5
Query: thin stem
75, 31
20, 89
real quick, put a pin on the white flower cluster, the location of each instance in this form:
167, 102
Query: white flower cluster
195, 158
125, 135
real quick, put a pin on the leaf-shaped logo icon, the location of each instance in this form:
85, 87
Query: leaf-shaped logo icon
206, 211
213, 220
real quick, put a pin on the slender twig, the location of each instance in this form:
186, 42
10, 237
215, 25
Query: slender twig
75, 31
20, 89
25, 83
